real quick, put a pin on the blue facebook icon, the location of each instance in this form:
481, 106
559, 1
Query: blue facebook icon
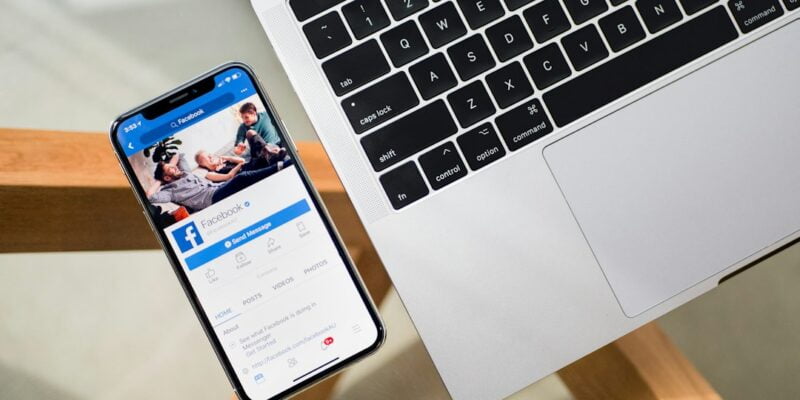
187, 237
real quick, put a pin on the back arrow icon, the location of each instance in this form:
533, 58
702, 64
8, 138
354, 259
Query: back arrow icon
130, 145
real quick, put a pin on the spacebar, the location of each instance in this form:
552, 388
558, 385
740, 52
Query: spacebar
640, 66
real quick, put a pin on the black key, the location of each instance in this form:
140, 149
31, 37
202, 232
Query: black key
640, 66
442, 25
408, 135
380, 102
356, 67
509, 38
481, 146
442, 166
791, 4
509, 84
753, 14
584, 47
693, 6
471, 57
404, 185
404, 44
365, 17
524, 125
515, 4
480, 12
621, 28
327, 35
658, 14
547, 20
471, 104
305, 9
433, 76
403, 8
617, 2
547, 66
584, 10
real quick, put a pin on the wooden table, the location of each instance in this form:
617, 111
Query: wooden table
63, 191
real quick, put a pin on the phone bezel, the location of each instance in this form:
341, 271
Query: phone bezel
139, 193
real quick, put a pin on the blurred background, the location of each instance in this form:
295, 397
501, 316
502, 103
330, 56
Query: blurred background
115, 325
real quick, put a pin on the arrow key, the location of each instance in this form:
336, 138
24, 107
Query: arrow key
327, 34
442, 165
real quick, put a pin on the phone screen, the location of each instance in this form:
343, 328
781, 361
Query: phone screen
223, 188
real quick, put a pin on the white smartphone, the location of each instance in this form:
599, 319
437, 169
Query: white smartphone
246, 233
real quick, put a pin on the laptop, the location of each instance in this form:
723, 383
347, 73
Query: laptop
541, 177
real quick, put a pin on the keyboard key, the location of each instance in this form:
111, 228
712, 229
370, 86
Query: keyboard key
693, 6
584, 47
404, 8
584, 10
365, 17
515, 4
404, 44
621, 28
524, 125
640, 66
547, 66
471, 57
327, 35
617, 2
380, 102
442, 166
547, 20
509, 38
408, 135
433, 76
481, 146
305, 9
480, 12
509, 84
753, 14
658, 14
442, 25
356, 67
471, 104
404, 185
791, 4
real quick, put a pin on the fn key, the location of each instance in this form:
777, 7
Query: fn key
404, 185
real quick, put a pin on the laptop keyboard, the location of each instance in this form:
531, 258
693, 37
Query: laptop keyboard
411, 74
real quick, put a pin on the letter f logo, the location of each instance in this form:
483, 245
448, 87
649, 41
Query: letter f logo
187, 237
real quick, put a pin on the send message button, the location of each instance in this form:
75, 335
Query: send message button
247, 234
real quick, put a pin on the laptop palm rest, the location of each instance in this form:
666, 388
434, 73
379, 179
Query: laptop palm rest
692, 179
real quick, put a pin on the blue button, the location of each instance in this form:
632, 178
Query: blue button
246, 235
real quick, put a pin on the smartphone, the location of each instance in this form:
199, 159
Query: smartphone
246, 233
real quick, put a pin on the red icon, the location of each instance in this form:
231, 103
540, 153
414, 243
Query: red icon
326, 342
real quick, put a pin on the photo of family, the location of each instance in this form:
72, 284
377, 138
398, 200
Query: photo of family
209, 161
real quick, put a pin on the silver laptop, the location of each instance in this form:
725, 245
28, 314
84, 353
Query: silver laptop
541, 177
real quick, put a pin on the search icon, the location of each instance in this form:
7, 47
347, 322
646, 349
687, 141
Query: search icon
173, 125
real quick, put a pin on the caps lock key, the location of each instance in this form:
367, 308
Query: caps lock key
380, 102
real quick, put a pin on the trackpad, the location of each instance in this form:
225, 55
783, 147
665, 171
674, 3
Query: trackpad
693, 178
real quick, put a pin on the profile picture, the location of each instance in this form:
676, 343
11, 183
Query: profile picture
209, 161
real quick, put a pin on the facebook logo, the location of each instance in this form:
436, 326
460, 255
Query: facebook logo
187, 237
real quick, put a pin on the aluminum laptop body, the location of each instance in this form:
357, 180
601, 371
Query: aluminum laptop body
527, 227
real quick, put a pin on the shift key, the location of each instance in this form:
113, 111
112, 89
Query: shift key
380, 102
408, 135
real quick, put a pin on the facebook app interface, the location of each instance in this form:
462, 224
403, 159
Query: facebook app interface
234, 209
